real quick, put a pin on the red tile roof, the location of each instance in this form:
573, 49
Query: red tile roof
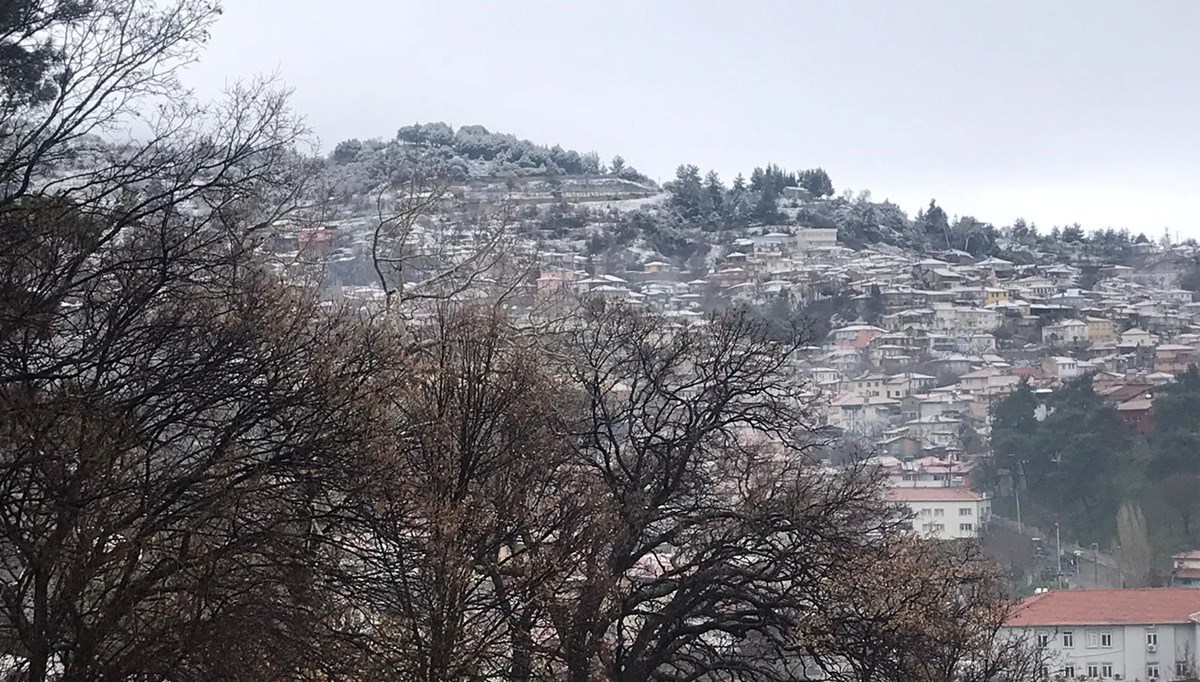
931, 494
1107, 607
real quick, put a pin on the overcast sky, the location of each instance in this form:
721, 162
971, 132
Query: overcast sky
1059, 112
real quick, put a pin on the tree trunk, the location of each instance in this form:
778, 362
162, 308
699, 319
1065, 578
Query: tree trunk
39, 647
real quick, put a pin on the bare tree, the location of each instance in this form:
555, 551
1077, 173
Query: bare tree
208, 473
715, 532
471, 487
917, 610
422, 250
1134, 552
171, 415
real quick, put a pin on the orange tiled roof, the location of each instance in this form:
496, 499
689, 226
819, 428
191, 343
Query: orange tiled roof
1107, 607
932, 494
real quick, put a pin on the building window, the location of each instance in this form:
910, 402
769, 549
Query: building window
939, 527
1043, 639
1152, 639
1105, 640
1093, 639
964, 511
1068, 671
1068, 639
1152, 671
1093, 670
1106, 670
939, 512
966, 527
1182, 669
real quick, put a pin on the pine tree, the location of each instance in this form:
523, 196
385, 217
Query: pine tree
715, 190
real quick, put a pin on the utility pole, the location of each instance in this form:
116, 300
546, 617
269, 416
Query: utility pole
1058, 552
1096, 562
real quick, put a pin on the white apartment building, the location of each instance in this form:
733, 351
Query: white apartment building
960, 319
949, 513
988, 381
1065, 332
1140, 635
1061, 366
812, 238
862, 415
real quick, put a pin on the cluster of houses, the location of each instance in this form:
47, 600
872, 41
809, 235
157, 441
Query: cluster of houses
928, 344
925, 344
933, 343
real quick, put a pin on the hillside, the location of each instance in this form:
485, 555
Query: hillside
694, 210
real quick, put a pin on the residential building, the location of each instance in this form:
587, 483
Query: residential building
813, 238
906, 384
931, 405
862, 415
1065, 333
1176, 296
855, 335
1061, 367
988, 381
994, 296
997, 265
1174, 358
956, 318
868, 385
1185, 569
1135, 634
1100, 330
1035, 287
940, 431
797, 194
1137, 337
944, 513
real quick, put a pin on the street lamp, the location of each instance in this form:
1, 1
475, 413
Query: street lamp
1058, 554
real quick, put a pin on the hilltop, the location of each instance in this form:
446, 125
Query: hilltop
694, 210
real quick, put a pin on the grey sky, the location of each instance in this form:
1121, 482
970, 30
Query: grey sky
1083, 111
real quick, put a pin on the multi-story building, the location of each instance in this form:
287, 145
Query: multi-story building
1144, 634
988, 381
903, 385
1065, 332
994, 295
949, 317
813, 238
1100, 330
1137, 337
1174, 358
862, 415
1185, 569
1064, 367
948, 513
855, 336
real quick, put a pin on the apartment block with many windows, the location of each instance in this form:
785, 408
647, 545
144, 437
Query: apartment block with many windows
1139, 635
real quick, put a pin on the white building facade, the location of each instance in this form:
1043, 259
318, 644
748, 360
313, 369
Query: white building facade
1139, 635
949, 513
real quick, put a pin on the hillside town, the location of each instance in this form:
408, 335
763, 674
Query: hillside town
451, 405
912, 353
